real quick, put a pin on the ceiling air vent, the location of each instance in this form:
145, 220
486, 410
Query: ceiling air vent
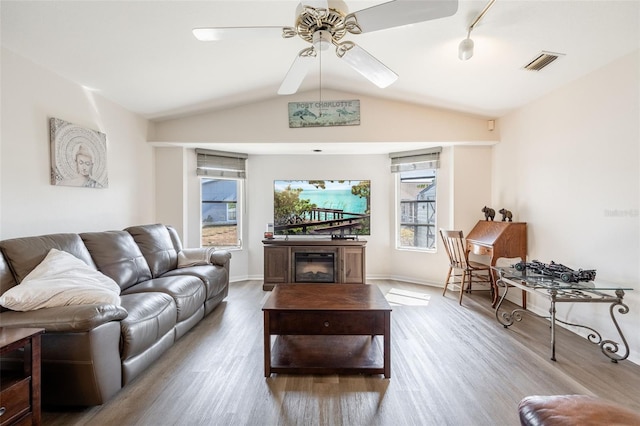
542, 60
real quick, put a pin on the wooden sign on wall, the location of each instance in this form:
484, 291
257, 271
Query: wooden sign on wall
324, 113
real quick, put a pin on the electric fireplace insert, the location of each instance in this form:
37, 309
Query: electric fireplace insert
315, 267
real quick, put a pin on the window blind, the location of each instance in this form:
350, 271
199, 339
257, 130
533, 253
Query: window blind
415, 160
220, 164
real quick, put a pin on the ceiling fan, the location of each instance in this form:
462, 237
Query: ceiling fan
323, 24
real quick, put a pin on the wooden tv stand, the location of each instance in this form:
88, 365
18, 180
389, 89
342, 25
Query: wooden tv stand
279, 259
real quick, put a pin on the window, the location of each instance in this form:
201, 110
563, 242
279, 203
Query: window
416, 196
219, 212
222, 177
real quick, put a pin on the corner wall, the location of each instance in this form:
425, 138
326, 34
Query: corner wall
171, 200
29, 204
569, 166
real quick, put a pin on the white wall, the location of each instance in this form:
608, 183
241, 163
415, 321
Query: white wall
267, 168
172, 202
568, 165
29, 204
381, 121
471, 168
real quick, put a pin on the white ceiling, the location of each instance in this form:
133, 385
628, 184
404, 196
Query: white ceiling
143, 56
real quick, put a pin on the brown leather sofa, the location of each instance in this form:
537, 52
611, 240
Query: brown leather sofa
574, 410
89, 352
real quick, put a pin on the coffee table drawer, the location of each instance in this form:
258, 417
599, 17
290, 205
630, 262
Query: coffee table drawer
314, 323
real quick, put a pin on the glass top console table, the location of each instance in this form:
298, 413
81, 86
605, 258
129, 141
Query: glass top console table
558, 291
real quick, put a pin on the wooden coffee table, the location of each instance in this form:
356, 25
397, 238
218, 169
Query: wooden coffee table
327, 329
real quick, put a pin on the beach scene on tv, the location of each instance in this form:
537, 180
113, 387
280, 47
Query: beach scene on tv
322, 207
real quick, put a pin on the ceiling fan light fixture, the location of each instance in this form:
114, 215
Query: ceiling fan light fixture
321, 40
465, 49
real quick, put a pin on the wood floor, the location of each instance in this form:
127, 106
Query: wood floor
450, 365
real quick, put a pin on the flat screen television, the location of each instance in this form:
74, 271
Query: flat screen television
322, 207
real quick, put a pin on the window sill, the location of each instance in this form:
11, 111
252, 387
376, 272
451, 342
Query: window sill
417, 249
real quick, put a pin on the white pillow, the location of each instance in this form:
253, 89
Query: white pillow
61, 279
195, 257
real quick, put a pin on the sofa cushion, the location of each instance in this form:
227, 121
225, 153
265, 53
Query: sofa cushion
187, 291
156, 246
61, 279
151, 316
117, 255
214, 277
175, 238
24, 254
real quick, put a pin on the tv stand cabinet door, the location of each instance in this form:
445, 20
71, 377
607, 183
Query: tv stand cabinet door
276, 266
353, 265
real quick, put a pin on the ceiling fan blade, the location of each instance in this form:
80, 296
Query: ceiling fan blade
298, 71
318, 4
236, 33
366, 64
403, 12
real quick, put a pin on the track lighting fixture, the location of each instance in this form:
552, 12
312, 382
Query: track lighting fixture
465, 48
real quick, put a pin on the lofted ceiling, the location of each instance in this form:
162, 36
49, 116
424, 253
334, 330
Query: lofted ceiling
143, 55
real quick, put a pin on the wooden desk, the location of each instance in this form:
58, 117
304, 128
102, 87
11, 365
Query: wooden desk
496, 240
20, 392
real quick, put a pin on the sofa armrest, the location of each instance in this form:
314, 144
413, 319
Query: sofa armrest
202, 256
558, 410
77, 318
220, 257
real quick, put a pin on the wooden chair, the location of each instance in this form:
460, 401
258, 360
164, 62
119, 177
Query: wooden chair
460, 265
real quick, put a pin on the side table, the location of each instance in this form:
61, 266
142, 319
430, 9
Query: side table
558, 291
20, 390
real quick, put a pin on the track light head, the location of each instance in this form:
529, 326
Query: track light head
465, 49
